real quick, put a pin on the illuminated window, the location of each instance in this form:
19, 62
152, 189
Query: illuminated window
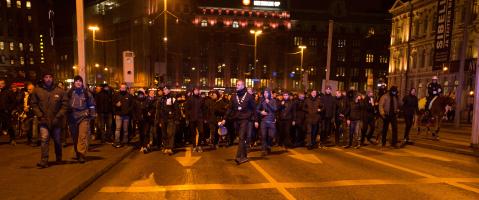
28, 4
235, 24
341, 43
204, 23
2, 45
12, 61
371, 31
219, 82
19, 4
22, 60
9, 3
383, 60
203, 81
30, 47
20, 46
31, 61
29, 18
369, 58
12, 46
313, 42
298, 41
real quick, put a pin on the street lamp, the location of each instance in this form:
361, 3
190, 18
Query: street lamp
93, 29
302, 47
256, 33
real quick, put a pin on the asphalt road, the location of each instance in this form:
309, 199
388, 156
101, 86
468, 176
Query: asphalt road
332, 173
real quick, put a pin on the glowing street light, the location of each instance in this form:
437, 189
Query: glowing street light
256, 33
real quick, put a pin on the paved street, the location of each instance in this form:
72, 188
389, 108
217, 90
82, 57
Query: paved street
332, 173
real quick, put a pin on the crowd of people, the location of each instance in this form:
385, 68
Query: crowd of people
166, 120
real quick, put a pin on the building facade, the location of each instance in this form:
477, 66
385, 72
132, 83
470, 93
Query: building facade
26, 39
414, 35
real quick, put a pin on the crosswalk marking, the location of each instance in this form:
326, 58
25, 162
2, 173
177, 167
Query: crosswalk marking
406, 152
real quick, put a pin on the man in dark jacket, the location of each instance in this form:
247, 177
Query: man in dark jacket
368, 119
104, 107
340, 116
287, 115
195, 114
215, 110
139, 118
123, 105
329, 110
354, 114
410, 108
169, 115
242, 110
267, 109
312, 107
7, 104
299, 120
81, 111
49, 104
388, 108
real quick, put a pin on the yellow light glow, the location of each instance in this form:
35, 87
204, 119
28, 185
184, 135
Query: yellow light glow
246, 2
97, 65
93, 28
302, 47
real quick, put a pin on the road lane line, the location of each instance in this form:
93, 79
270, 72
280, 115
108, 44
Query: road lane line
268, 177
426, 155
291, 185
311, 158
455, 184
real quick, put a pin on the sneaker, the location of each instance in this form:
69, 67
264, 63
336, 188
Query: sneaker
200, 149
142, 150
241, 161
347, 146
42, 164
357, 146
81, 159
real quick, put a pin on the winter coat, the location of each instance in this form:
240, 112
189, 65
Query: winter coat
269, 108
410, 105
311, 106
242, 106
127, 103
329, 106
50, 105
104, 102
81, 105
195, 108
287, 110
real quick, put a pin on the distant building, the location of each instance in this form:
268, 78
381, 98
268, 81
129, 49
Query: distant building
27, 39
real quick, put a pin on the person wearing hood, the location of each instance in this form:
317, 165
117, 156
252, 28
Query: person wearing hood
267, 109
388, 108
139, 118
123, 106
312, 107
81, 112
195, 105
49, 104
242, 110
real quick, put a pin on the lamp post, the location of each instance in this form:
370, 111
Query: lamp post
94, 29
305, 82
256, 33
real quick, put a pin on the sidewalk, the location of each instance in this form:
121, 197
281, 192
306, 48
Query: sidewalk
21, 179
451, 139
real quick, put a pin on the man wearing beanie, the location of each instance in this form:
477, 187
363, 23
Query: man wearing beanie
82, 110
123, 106
49, 104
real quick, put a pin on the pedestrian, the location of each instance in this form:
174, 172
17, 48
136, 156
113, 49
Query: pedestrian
312, 109
266, 109
327, 115
243, 111
7, 105
340, 117
214, 113
81, 112
299, 119
169, 119
410, 109
49, 104
183, 135
195, 107
29, 119
354, 114
287, 115
150, 124
123, 105
388, 109
139, 119
63, 123
104, 108
368, 120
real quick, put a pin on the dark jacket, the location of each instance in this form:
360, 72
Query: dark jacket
104, 102
151, 103
167, 109
385, 105
140, 109
434, 89
195, 108
287, 110
127, 103
242, 106
369, 109
300, 115
355, 110
269, 107
49, 104
7, 101
81, 105
311, 106
410, 105
329, 106
341, 107
215, 110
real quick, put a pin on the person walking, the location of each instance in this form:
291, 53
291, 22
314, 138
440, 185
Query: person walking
312, 108
329, 110
123, 105
169, 113
7, 105
104, 108
80, 114
368, 120
354, 116
410, 109
49, 104
242, 110
195, 106
267, 109
287, 115
388, 109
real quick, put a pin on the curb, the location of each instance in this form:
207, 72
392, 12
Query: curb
80, 187
451, 150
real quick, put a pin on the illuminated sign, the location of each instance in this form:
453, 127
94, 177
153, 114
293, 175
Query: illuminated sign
267, 3
246, 2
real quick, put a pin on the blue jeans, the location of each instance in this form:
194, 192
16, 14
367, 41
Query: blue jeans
45, 135
311, 132
121, 122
